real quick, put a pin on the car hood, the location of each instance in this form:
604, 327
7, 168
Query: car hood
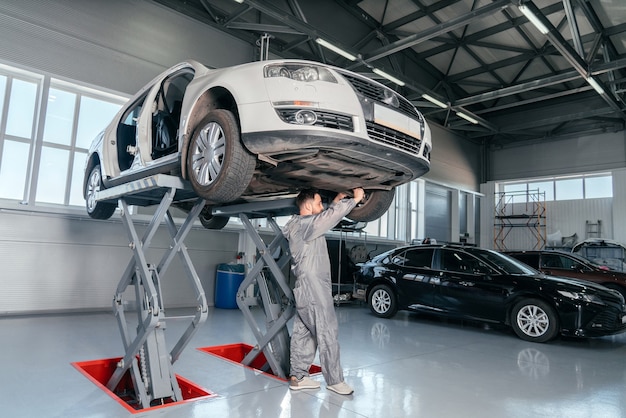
583, 284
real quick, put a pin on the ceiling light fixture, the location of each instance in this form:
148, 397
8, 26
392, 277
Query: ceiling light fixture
239, 1
335, 49
435, 101
533, 19
467, 117
388, 77
596, 86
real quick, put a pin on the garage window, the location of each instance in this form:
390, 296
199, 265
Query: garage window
44, 139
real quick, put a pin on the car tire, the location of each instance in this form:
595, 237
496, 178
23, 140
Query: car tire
534, 320
218, 166
382, 301
374, 205
95, 209
212, 222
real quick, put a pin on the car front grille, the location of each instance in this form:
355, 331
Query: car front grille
393, 138
324, 119
376, 92
607, 320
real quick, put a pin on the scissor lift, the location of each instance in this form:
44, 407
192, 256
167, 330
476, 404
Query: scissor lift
272, 290
146, 357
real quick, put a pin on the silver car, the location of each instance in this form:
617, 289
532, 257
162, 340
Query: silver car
262, 130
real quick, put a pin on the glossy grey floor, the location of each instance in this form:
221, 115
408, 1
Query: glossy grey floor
409, 366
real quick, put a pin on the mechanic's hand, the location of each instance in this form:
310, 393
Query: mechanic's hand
358, 194
340, 196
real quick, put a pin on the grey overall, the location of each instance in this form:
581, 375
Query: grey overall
315, 324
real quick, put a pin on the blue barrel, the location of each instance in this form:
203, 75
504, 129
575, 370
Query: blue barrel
227, 282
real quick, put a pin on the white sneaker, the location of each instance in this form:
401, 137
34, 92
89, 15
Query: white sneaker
341, 388
305, 383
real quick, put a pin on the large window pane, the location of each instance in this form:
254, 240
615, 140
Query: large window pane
21, 109
546, 187
13, 170
59, 117
515, 193
94, 116
76, 188
52, 175
598, 187
569, 189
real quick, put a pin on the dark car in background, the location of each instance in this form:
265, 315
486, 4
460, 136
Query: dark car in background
485, 285
560, 263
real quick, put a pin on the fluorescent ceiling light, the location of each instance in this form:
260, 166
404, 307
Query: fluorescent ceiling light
335, 49
239, 1
435, 101
533, 19
388, 76
593, 83
467, 117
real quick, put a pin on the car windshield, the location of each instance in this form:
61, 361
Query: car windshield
501, 261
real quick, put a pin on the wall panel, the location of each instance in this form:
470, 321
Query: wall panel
60, 263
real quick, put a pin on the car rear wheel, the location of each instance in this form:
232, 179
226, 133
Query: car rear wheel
95, 209
382, 301
374, 205
218, 166
210, 221
534, 320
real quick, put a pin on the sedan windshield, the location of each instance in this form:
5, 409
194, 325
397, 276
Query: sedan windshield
501, 261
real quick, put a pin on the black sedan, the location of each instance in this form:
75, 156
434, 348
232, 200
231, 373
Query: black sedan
485, 285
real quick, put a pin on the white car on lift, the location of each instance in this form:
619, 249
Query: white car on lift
262, 130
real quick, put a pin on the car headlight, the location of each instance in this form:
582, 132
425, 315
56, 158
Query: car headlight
582, 297
299, 72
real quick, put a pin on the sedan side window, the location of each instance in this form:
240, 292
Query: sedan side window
460, 262
551, 261
419, 258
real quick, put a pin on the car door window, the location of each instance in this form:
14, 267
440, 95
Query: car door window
551, 261
419, 258
460, 262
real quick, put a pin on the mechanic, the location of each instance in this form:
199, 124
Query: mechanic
315, 324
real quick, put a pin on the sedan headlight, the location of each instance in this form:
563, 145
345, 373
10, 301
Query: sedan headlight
582, 297
299, 72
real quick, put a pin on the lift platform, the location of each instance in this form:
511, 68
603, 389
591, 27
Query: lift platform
146, 357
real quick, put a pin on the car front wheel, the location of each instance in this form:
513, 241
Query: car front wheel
382, 301
534, 320
218, 166
374, 205
95, 209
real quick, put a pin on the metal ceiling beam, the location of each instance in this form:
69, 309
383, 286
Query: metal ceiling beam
575, 60
455, 23
260, 27
423, 12
519, 88
534, 123
537, 99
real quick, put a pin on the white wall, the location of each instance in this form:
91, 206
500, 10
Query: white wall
114, 44
455, 161
575, 155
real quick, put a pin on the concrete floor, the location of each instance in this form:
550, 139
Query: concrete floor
409, 366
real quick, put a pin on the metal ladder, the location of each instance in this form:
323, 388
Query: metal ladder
146, 355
